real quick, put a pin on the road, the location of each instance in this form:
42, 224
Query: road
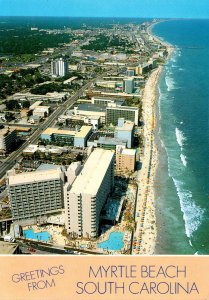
16, 155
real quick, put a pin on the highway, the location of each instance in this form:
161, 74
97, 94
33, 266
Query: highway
16, 155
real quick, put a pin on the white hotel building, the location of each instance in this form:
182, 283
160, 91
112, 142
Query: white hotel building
85, 197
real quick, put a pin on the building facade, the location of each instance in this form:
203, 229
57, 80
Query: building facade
59, 67
7, 139
125, 159
86, 196
77, 138
34, 194
128, 85
129, 113
125, 131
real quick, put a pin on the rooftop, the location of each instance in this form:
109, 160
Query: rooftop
125, 151
50, 167
51, 131
7, 248
127, 126
37, 103
5, 131
91, 107
122, 107
42, 108
90, 178
31, 177
84, 130
111, 141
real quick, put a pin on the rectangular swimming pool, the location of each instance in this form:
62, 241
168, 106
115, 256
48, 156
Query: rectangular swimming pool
39, 236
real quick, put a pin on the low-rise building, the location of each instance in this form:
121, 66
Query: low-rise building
41, 111
9, 248
34, 119
125, 159
81, 136
77, 138
35, 104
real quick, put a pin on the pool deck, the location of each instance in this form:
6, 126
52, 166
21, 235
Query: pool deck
58, 239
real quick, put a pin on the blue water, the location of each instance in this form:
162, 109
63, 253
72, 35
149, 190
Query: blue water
39, 236
115, 242
182, 182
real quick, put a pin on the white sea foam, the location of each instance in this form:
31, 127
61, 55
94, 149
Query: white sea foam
181, 122
192, 213
183, 159
181, 69
170, 83
180, 137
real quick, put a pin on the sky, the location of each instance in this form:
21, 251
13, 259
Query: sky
107, 8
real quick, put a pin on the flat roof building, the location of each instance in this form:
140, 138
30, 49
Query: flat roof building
78, 138
125, 160
129, 113
104, 101
34, 194
86, 196
91, 110
128, 85
125, 131
41, 111
9, 248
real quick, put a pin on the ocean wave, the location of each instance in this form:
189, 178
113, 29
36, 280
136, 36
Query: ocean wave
170, 83
183, 159
192, 213
181, 69
180, 137
174, 66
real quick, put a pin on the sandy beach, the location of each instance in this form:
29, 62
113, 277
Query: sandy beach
146, 229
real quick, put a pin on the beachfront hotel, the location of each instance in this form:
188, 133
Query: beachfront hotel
125, 131
125, 159
86, 196
35, 194
129, 113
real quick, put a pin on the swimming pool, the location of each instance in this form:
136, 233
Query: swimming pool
115, 241
39, 236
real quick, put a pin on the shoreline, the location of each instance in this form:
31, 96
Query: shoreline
146, 229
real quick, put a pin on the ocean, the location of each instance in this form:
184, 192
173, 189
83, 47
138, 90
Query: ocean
182, 178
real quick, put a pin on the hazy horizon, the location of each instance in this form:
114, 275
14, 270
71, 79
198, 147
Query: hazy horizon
178, 9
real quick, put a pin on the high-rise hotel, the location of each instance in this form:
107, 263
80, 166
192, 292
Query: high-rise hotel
85, 197
35, 194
